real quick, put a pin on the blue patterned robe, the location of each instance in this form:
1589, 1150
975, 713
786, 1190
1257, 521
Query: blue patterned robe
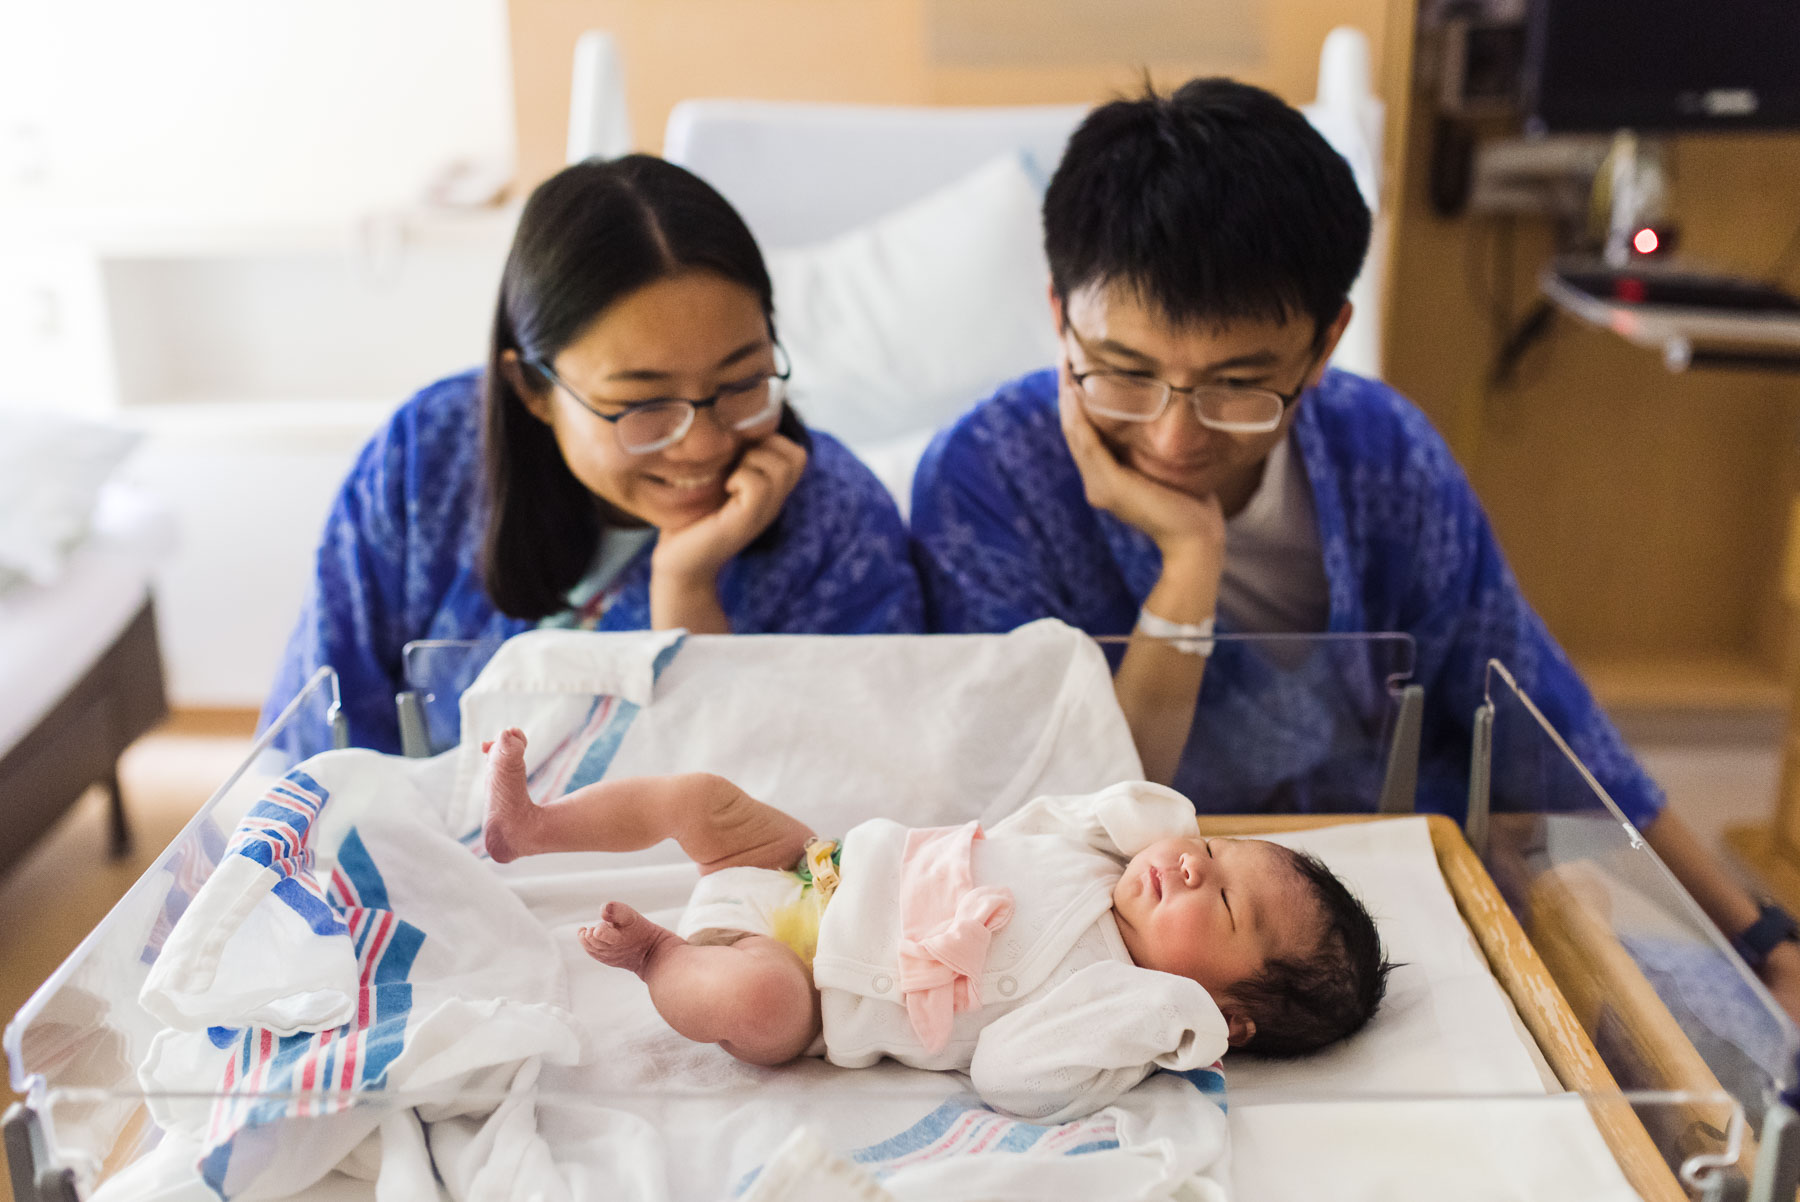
400, 561
1004, 535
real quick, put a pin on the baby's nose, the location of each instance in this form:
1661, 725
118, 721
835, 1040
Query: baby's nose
1192, 871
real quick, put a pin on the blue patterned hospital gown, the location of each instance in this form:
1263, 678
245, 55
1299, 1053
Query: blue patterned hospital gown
401, 553
1004, 535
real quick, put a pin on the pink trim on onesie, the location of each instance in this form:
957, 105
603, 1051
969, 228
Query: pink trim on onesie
946, 925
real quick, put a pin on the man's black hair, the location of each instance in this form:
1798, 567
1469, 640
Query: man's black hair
1303, 1003
1214, 204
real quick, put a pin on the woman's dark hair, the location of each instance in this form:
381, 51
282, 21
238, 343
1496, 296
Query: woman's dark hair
590, 235
1217, 203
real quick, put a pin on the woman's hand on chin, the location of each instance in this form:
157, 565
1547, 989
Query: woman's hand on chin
684, 568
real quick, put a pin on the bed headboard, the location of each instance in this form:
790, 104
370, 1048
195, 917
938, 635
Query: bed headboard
801, 173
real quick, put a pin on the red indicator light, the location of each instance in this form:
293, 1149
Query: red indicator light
1646, 241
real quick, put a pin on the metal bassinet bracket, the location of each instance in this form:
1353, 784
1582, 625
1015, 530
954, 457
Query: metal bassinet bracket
415, 736
1778, 1160
1481, 779
29, 1162
1400, 787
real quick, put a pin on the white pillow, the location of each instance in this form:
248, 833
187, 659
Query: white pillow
51, 470
895, 461
900, 325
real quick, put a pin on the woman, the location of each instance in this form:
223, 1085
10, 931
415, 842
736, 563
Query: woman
626, 460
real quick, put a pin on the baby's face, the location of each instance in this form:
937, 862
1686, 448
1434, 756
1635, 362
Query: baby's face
1213, 910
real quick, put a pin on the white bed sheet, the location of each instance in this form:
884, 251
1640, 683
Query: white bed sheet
1446, 1027
51, 635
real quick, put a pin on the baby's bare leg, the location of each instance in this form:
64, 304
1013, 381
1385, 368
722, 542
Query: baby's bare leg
754, 998
716, 823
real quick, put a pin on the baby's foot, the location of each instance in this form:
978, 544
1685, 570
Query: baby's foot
624, 938
510, 810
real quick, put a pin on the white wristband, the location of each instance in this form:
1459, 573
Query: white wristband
1191, 638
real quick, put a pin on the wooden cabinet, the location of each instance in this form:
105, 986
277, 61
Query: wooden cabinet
1643, 511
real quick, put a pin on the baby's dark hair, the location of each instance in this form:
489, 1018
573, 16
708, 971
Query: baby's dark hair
1303, 1003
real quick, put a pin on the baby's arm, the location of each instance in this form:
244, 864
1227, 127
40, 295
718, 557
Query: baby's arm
717, 824
1078, 1047
1120, 820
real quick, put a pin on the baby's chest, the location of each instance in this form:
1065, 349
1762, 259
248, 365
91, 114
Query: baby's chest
1059, 890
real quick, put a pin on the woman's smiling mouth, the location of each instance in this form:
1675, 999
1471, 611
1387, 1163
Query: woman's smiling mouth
690, 487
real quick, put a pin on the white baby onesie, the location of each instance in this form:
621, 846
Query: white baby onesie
1067, 1023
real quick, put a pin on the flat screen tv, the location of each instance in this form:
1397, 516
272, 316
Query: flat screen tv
1663, 65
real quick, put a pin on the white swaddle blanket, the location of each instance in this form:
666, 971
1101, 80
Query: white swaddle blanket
357, 943
927, 731
835, 731
346, 947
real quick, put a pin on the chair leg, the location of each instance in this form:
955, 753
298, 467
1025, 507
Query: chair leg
118, 827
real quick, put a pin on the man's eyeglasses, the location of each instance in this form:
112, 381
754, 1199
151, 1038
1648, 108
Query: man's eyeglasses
646, 426
1228, 408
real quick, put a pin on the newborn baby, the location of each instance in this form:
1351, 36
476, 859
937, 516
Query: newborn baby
1058, 958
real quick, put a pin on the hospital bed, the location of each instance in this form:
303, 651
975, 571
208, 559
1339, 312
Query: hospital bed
1496, 1069
80, 672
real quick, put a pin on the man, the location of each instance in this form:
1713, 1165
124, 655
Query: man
1191, 459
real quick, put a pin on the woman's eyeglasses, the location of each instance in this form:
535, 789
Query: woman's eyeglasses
646, 426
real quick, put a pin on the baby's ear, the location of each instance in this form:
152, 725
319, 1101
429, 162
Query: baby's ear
1240, 1029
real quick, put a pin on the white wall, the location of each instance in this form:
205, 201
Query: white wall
211, 229
235, 106
250, 487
